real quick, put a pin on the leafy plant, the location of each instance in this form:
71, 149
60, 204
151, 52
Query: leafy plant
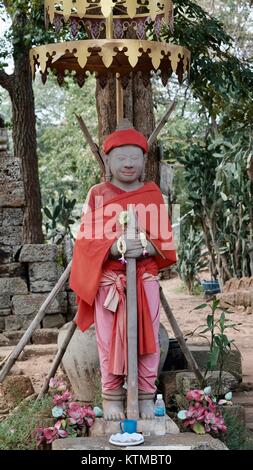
220, 344
237, 437
190, 258
59, 218
70, 417
17, 430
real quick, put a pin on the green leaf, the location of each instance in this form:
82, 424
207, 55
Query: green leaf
200, 306
210, 321
48, 213
198, 428
56, 212
213, 357
224, 196
222, 320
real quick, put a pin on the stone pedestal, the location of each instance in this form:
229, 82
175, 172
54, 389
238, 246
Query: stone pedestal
148, 427
182, 441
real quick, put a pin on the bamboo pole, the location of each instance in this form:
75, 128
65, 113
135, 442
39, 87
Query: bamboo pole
57, 359
10, 361
180, 338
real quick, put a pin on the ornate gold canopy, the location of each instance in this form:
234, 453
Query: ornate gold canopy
100, 19
111, 55
107, 8
107, 25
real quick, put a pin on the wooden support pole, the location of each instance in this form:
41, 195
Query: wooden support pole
58, 359
10, 361
180, 338
93, 146
132, 325
162, 123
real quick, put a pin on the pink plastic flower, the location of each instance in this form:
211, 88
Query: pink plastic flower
53, 383
50, 434
61, 432
203, 410
60, 400
90, 416
196, 395
75, 413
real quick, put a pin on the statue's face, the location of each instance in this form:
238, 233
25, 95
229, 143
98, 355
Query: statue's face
126, 163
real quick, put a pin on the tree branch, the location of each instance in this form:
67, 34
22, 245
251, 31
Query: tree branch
6, 81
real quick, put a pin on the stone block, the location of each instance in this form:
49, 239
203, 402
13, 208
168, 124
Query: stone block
10, 170
12, 216
16, 388
44, 276
11, 235
12, 195
14, 336
38, 253
4, 341
7, 254
5, 301
45, 336
11, 184
13, 286
31, 303
18, 322
12, 270
148, 427
187, 381
5, 312
232, 363
185, 439
168, 385
53, 321
72, 299
2, 324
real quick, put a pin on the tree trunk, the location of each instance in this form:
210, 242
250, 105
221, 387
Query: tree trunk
138, 103
106, 108
24, 141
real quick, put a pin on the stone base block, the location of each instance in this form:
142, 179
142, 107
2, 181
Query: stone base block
148, 427
182, 441
232, 362
187, 381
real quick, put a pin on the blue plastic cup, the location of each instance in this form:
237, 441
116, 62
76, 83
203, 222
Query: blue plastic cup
128, 425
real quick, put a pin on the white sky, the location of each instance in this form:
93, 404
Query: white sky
4, 25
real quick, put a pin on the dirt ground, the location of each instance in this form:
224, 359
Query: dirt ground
181, 304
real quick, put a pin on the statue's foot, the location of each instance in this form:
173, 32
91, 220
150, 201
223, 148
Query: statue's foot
146, 405
114, 404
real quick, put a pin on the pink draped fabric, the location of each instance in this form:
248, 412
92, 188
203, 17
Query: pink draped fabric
110, 310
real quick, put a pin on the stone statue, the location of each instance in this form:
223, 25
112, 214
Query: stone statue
98, 275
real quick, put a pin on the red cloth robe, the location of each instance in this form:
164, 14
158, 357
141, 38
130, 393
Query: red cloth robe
91, 253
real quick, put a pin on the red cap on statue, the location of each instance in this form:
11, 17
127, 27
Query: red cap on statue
125, 137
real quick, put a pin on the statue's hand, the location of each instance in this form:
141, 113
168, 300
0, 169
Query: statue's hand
134, 248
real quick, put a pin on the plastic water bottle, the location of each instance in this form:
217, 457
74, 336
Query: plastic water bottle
160, 413
160, 409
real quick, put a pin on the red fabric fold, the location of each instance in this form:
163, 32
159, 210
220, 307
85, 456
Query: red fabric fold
90, 256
